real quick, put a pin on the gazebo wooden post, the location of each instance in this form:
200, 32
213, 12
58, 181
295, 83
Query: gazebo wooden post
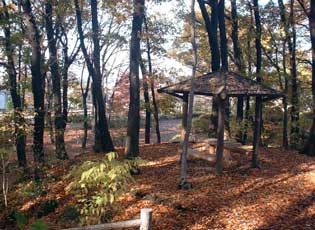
220, 136
257, 133
185, 112
184, 119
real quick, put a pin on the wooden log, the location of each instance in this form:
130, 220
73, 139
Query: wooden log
145, 223
204, 156
146, 219
117, 225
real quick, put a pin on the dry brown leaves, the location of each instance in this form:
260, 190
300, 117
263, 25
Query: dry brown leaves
281, 195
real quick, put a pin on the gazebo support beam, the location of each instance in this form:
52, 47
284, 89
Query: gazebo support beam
257, 133
184, 111
220, 136
184, 119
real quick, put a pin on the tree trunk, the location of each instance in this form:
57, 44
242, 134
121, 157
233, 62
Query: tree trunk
224, 59
238, 63
85, 94
212, 30
38, 85
85, 123
236, 48
183, 183
258, 104
65, 70
291, 40
309, 147
155, 106
103, 140
249, 72
223, 39
55, 74
147, 102
106, 144
132, 141
295, 117
49, 121
20, 137
285, 141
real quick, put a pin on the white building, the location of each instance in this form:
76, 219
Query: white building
4, 99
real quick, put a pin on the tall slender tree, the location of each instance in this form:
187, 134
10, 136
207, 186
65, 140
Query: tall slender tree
224, 58
236, 48
223, 39
183, 183
295, 114
38, 85
147, 128
258, 104
309, 147
103, 140
250, 31
151, 78
211, 23
67, 61
85, 92
238, 62
20, 137
56, 79
290, 37
212, 30
132, 141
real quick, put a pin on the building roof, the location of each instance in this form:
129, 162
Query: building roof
211, 83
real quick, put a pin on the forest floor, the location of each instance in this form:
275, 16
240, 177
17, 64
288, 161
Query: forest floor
280, 195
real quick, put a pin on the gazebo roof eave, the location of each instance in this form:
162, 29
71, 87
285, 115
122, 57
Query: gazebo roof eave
180, 93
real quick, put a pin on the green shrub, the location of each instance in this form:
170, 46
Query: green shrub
98, 184
20, 220
39, 225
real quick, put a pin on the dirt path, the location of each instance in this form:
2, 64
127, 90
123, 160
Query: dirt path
169, 130
74, 134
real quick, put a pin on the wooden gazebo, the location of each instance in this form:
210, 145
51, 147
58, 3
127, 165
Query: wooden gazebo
222, 85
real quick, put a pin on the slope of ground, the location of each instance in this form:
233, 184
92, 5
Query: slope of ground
280, 195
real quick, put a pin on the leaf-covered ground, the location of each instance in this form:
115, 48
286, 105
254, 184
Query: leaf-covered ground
280, 195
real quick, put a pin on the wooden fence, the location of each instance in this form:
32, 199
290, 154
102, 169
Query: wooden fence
144, 223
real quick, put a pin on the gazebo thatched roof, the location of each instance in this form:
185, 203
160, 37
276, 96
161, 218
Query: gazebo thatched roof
235, 86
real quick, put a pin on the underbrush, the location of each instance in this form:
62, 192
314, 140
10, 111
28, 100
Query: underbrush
80, 191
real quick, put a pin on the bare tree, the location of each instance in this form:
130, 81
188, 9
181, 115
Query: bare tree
258, 104
147, 128
309, 147
151, 79
183, 183
103, 140
56, 87
132, 141
38, 84
20, 137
